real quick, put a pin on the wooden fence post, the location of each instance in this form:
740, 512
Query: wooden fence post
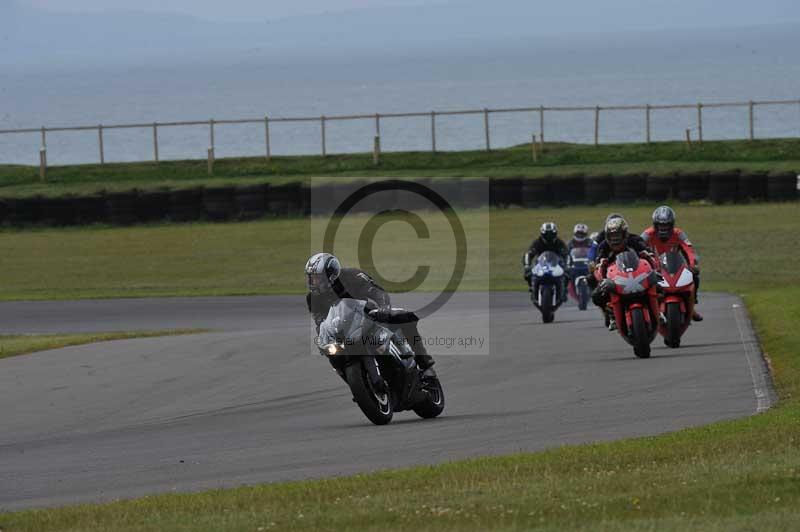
377, 125
376, 150
210, 161
647, 122
322, 133
689, 138
211, 133
700, 123
433, 131
155, 141
44, 137
486, 129
100, 144
597, 125
533, 149
43, 163
266, 138
752, 120
541, 126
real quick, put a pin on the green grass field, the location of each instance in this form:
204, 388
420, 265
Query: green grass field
267, 257
558, 159
738, 475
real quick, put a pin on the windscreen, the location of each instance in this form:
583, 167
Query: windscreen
628, 261
548, 258
345, 322
672, 262
580, 253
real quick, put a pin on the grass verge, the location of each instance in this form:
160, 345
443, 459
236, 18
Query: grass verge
557, 159
23, 344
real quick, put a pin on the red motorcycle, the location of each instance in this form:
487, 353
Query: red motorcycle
633, 286
677, 303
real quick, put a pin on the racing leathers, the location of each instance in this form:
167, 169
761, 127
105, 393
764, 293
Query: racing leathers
356, 284
539, 246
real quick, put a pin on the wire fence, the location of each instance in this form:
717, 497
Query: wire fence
547, 118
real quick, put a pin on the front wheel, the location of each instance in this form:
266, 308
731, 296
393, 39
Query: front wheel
674, 324
584, 295
376, 406
639, 334
546, 292
433, 405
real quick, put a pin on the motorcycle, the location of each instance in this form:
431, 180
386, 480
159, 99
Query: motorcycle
578, 268
633, 286
378, 365
547, 285
677, 303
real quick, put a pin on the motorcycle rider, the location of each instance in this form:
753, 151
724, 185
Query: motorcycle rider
328, 282
617, 240
663, 236
580, 239
547, 241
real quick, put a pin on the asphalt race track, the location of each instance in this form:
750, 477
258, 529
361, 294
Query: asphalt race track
251, 403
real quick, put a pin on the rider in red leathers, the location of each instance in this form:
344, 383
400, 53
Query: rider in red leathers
663, 236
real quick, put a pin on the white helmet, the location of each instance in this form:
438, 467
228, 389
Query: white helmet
580, 232
322, 269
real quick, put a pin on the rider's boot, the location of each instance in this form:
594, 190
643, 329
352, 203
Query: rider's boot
696, 316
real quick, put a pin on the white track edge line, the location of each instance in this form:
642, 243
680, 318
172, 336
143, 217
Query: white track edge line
760, 385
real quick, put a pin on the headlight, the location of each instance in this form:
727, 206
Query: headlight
332, 349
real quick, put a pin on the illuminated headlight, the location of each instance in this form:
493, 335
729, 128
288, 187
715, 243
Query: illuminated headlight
332, 349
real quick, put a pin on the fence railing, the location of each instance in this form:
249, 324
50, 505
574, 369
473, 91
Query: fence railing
542, 111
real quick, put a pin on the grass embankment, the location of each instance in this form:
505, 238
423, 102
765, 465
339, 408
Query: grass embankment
557, 159
736, 475
266, 257
13, 345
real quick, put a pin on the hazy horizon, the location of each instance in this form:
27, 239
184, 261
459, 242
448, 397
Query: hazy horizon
48, 33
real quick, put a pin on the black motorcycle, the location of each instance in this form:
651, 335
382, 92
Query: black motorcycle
378, 365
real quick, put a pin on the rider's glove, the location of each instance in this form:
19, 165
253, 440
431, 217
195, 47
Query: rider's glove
380, 314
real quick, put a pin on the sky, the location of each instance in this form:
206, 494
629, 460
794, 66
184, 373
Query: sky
229, 9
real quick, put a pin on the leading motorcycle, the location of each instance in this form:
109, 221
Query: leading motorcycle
633, 286
378, 365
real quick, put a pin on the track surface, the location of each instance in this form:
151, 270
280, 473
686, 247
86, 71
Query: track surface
250, 403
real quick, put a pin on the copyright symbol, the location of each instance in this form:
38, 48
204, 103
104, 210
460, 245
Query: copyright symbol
371, 228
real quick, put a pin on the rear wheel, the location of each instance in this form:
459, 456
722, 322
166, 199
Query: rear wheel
377, 406
639, 334
548, 315
433, 404
674, 325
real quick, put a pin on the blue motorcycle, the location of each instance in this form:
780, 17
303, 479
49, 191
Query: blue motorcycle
546, 284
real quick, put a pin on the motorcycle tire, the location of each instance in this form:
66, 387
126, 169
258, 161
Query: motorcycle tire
674, 323
433, 405
584, 295
639, 334
377, 407
548, 315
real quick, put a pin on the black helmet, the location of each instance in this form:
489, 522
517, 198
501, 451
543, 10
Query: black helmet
616, 233
664, 221
549, 232
580, 232
322, 269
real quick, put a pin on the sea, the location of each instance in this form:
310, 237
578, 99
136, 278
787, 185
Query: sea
248, 86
